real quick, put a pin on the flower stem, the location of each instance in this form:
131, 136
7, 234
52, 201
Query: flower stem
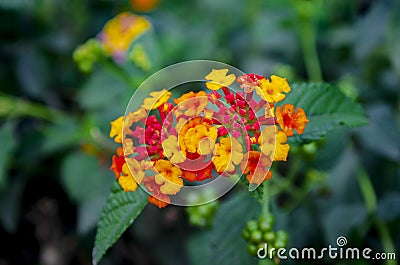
369, 196
265, 202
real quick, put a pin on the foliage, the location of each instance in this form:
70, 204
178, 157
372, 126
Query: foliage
342, 175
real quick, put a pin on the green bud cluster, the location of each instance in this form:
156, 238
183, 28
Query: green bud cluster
202, 215
261, 231
87, 54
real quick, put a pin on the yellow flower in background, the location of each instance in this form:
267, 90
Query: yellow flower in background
116, 129
172, 151
157, 99
272, 91
168, 177
121, 31
229, 152
126, 181
219, 78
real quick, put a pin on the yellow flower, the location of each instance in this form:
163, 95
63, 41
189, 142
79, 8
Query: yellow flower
172, 151
200, 139
129, 149
282, 149
136, 169
121, 31
267, 140
272, 91
273, 143
116, 129
168, 177
126, 181
157, 99
219, 79
229, 152
136, 116
193, 103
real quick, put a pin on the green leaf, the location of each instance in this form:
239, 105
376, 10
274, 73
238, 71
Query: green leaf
118, 214
78, 170
326, 107
228, 246
8, 144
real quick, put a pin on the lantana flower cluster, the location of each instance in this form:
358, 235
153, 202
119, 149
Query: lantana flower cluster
170, 142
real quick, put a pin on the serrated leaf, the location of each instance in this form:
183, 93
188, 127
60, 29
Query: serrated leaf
119, 212
228, 246
326, 107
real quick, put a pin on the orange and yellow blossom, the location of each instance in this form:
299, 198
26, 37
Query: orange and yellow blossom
196, 136
288, 119
168, 177
192, 103
219, 78
256, 166
229, 152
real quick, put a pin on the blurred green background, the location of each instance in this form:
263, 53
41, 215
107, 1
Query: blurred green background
54, 144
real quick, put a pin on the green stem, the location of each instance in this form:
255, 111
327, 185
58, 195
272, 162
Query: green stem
266, 200
367, 191
14, 107
370, 199
310, 54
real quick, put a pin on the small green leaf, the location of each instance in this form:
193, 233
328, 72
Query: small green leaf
120, 211
326, 107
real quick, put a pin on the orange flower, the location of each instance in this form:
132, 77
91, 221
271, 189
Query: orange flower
157, 198
118, 162
143, 5
288, 119
193, 103
255, 166
168, 177
196, 135
159, 203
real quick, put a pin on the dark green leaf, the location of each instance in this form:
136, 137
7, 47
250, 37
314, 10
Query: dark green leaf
326, 107
8, 144
120, 211
78, 171
228, 246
